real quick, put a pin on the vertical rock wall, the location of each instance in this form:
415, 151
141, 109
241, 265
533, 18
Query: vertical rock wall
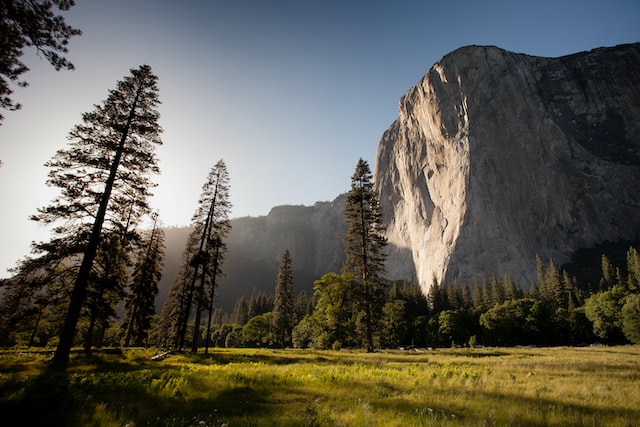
496, 157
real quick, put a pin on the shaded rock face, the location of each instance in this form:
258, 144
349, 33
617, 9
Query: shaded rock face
496, 157
314, 235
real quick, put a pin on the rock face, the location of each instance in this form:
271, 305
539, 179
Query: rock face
496, 157
313, 234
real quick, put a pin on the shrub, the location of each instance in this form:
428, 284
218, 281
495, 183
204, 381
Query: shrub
631, 318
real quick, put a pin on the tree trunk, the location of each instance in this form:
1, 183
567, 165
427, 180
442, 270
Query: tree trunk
369, 323
183, 328
89, 336
213, 294
196, 327
101, 332
365, 277
79, 292
35, 329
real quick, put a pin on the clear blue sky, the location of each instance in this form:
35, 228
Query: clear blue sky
289, 93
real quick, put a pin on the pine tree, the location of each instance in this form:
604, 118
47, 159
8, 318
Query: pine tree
139, 304
633, 269
206, 251
487, 295
364, 246
436, 297
105, 287
168, 329
467, 299
498, 291
510, 289
37, 289
31, 23
240, 314
284, 305
104, 184
608, 274
551, 287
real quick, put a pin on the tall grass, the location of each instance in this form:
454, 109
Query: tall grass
239, 387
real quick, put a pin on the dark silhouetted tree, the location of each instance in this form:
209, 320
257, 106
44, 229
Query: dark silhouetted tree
284, 313
204, 254
104, 184
26, 23
167, 331
139, 303
105, 287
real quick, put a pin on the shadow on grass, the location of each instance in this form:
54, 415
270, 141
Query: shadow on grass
115, 392
267, 357
510, 409
43, 400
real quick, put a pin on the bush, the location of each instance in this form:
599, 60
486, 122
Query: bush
631, 318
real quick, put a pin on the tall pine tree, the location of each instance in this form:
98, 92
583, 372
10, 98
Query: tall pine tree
364, 246
284, 312
205, 253
103, 178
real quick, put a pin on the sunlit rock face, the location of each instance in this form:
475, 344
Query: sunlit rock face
496, 157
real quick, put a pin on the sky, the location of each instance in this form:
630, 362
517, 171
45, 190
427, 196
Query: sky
289, 93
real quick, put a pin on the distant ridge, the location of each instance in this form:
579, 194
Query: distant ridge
313, 234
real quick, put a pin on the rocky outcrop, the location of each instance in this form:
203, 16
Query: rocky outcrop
496, 157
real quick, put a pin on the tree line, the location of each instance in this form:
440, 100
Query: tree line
555, 310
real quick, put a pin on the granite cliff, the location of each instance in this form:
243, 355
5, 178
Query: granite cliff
496, 157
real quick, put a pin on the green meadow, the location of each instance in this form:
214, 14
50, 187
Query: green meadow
588, 386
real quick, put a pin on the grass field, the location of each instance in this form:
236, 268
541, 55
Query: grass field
590, 386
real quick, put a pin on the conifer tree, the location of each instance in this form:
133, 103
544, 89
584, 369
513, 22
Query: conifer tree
240, 314
167, 331
633, 269
608, 274
139, 304
103, 178
284, 305
105, 287
510, 289
487, 295
364, 246
31, 23
205, 253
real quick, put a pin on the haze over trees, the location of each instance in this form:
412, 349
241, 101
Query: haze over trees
31, 23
